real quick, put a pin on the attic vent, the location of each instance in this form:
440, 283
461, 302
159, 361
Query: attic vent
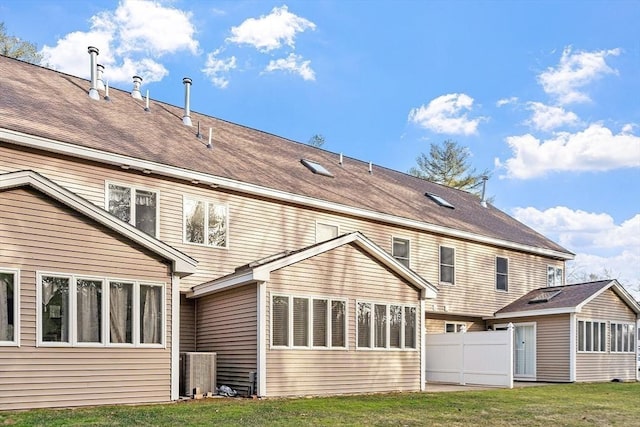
544, 297
316, 168
439, 200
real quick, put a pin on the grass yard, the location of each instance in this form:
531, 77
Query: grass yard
606, 404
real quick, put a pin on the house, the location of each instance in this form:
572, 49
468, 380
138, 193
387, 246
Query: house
573, 333
305, 271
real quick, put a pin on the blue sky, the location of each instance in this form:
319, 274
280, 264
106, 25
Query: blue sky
545, 94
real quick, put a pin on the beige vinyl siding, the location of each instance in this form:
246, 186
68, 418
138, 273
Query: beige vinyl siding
39, 234
260, 228
227, 325
345, 272
606, 307
435, 323
552, 346
187, 324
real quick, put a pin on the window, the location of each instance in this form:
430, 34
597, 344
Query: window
502, 274
97, 312
592, 336
385, 326
400, 251
316, 168
554, 276
622, 338
447, 265
205, 223
455, 327
439, 200
9, 307
308, 322
133, 205
326, 231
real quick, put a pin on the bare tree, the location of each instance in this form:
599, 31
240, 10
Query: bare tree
14, 47
316, 140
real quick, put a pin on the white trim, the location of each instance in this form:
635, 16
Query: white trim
440, 265
132, 202
263, 271
423, 347
619, 290
408, 258
542, 312
573, 347
611, 341
175, 337
16, 307
387, 346
455, 324
262, 338
207, 202
605, 338
119, 160
495, 264
182, 264
535, 352
555, 271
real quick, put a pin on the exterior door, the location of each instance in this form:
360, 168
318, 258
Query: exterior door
525, 351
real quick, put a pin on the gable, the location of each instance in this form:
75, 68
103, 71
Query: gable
608, 305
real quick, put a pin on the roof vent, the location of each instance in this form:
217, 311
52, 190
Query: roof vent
135, 93
93, 90
186, 119
370, 167
316, 168
146, 105
483, 200
99, 73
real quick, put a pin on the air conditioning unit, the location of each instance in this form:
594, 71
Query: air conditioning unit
197, 370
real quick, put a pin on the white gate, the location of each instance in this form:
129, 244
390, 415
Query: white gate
479, 358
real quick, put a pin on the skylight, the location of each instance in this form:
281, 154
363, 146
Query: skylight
316, 167
439, 200
544, 296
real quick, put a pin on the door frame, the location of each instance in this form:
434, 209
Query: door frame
535, 349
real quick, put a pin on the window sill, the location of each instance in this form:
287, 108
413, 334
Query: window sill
202, 245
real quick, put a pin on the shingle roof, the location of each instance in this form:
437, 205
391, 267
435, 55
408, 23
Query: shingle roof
49, 104
570, 296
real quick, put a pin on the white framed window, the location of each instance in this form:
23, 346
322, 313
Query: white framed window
137, 206
555, 276
79, 311
622, 337
502, 274
308, 322
9, 307
447, 265
326, 231
401, 250
455, 327
385, 326
205, 223
592, 336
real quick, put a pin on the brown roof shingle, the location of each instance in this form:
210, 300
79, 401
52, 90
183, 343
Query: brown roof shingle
45, 103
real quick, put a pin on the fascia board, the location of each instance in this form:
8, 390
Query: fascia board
256, 190
530, 313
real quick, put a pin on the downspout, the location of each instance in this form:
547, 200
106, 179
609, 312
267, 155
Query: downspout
261, 356
573, 347
175, 337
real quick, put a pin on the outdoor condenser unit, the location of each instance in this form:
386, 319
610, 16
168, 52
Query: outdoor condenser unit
197, 370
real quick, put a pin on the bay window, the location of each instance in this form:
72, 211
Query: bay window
308, 322
136, 206
81, 311
385, 326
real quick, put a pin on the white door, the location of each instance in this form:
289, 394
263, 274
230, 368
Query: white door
525, 351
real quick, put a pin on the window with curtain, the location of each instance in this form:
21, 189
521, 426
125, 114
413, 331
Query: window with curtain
135, 206
89, 310
54, 309
307, 322
150, 314
120, 313
502, 273
447, 265
8, 298
205, 223
394, 326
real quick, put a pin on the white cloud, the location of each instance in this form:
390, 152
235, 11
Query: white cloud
215, 68
271, 31
130, 39
294, 64
593, 149
600, 244
629, 127
575, 71
506, 101
446, 114
548, 117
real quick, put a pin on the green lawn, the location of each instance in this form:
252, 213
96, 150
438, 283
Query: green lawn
607, 404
